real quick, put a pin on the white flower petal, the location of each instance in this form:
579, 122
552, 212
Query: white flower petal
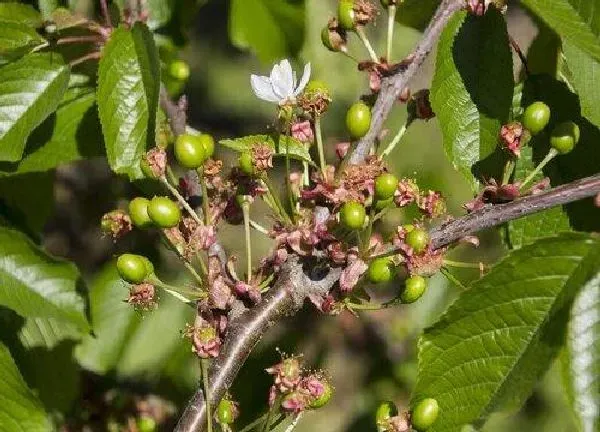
261, 85
282, 79
304, 80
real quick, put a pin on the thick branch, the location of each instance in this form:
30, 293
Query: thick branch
392, 87
500, 213
286, 297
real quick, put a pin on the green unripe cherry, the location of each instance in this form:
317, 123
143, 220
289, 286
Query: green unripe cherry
146, 424
164, 212
385, 411
385, 186
358, 120
246, 164
324, 398
226, 412
189, 151
380, 270
414, 288
179, 70
208, 144
424, 414
353, 215
536, 117
564, 137
132, 268
346, 14
417, 239
138, 212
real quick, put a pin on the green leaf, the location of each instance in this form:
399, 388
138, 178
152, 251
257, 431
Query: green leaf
581, 357
35, 284
63, 19
125, 340
491, 346
16, 39
71, 133
576, 21
39, 345
30, 90
543, 224
472, 88
20, 13
416, 13
20, 410
297, 149
128, 86
584, 70
273, 29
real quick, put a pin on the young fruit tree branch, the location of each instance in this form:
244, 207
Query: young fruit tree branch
392, 86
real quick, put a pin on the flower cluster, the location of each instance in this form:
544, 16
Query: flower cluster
296, 390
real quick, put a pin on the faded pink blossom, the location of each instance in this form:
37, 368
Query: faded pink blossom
295, 402
303, 132
116, 224
202, 238
341, 149
406, 193
432, 204
351, 275
205, 340
511, 135
287, 374
250, 290
219, 293
142, 296
157, 161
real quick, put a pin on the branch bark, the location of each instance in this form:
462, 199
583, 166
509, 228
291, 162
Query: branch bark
293, 286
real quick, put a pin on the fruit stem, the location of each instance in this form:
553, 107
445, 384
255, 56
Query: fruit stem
272, 410
320, 150
246, 212
204, 367
252, 426
392, 145
305, 174
277, 206
390, 34
178, 292
365, 40
508, 170
459, 264
186, 264
181, 200
291, 427
258, 227
551, 155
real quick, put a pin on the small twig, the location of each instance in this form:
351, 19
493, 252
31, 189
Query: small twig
91, 56
78, 39
517, 49
105, 13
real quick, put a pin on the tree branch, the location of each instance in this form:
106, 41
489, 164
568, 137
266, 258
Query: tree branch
293, 285
391, 87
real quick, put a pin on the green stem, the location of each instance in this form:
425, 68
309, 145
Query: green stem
246, 212
360, 31
195, 295
305, 174
508, 170
273, 194
272, 410
392, 145
459, 264
181, 200
258, 227
261, 419
291, 427
390, 32
204, 367
185, 262
264, 284
452, 279
320, 150
171, 176
551, 155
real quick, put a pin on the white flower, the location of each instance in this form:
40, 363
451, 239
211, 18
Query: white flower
281, 87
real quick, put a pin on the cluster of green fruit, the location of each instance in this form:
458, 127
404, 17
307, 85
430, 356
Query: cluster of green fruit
353, 216
563, 137
422, 416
